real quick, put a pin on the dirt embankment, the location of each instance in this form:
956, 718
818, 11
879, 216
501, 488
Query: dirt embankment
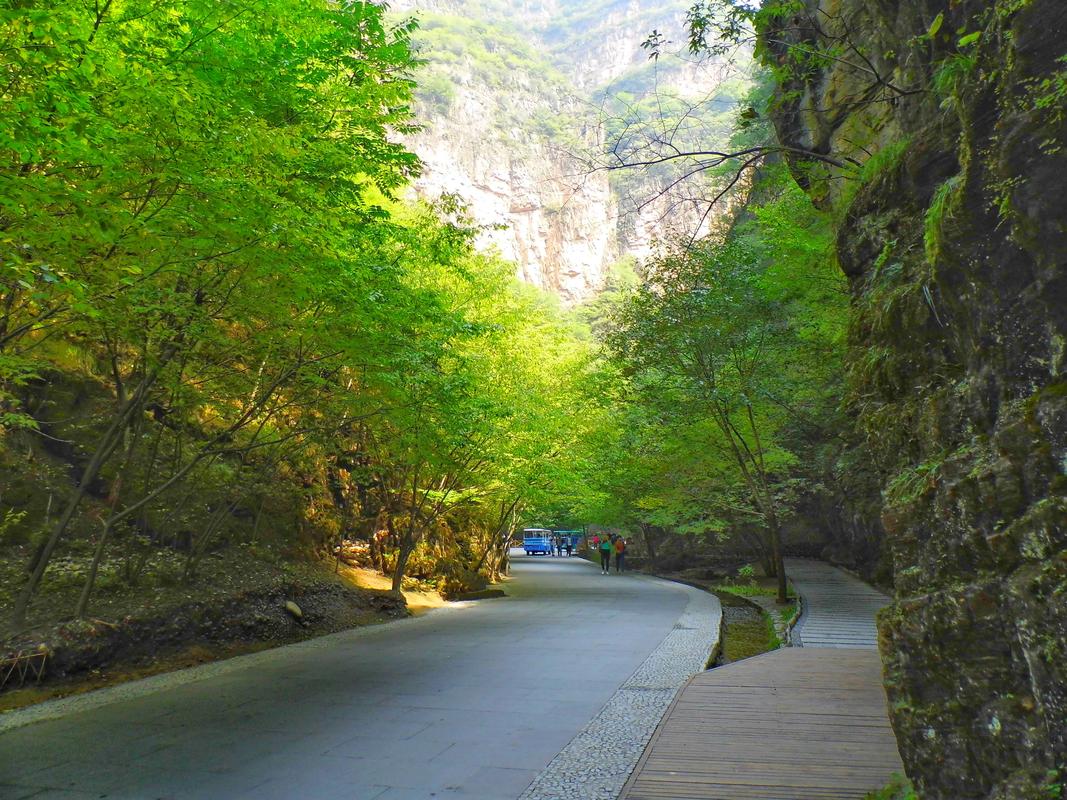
85, 654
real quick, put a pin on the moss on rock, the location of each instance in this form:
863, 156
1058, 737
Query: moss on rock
955, 247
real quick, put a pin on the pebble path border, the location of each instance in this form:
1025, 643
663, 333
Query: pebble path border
597, 762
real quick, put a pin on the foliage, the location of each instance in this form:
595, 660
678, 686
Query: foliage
10, 520
882, 163
1049, 98
950, 77
211, 297
936, 217
718, 27
721, 365
490, 55
898, 788
747, 585
215, 300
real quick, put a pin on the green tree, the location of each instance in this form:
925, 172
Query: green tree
175, 210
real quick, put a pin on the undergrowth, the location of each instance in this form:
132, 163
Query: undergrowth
898, 788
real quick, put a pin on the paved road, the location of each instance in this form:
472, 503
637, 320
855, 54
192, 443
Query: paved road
839, 609
470, 702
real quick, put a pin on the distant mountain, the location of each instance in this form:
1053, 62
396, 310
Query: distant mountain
518, 99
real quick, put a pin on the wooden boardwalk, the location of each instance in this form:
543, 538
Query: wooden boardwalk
793, 724
801, 723
839, 609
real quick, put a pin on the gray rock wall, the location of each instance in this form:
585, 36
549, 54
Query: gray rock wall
954, 240
518, 147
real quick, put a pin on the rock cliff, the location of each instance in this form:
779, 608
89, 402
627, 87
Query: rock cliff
518, 98
953, 235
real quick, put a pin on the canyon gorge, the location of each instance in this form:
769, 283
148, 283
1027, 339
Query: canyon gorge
521, 106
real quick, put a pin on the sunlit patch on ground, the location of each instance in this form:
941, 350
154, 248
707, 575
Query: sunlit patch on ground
418, 602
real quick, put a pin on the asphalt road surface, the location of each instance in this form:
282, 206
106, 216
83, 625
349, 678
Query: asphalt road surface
469, 702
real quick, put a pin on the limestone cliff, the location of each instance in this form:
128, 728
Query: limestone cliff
514, 99
538, 210
953, 235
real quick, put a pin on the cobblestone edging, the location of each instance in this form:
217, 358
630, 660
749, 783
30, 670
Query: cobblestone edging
597, 762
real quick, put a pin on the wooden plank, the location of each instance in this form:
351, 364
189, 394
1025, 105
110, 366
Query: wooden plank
793, 724
839, 609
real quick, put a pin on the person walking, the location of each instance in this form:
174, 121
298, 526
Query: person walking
559, 546
620, 554
605, 555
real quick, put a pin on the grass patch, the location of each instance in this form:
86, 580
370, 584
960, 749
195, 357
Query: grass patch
876, 167
789, 611
748, 629
753, 587
936, 215
898, 788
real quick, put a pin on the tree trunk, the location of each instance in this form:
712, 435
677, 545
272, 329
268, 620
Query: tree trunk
132, 435
200, 546
107, 445
259, 516
90, 579
779, 563
769, 560
406, 550
648, 532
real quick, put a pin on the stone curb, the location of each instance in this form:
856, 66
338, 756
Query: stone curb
597, 762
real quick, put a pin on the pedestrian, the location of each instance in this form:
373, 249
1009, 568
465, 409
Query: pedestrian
559, 546
569, 546
620, 554
605, 556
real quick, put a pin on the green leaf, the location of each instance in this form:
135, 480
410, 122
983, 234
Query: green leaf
935, 26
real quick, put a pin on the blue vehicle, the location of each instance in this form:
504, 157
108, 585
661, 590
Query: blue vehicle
572, 538
537, 541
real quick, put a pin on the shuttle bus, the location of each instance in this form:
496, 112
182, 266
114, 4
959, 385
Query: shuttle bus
537, 541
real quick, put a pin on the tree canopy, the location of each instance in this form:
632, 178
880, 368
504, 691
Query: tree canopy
223, 314
203, 227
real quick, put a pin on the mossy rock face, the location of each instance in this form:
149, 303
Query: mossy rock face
968, 694
976, 667
956, 254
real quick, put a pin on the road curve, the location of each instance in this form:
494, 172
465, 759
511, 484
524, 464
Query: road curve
469, 702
